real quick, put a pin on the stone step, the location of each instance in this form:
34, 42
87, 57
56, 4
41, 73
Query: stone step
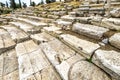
115, 4
33, 64
54, 31
108, 63
83, 70
96, 5
23, 48
72, 14
6, 41
57, 54
62, 56
31, 22
68, 18
91, 31
9, 65
85, 20
35, 18
100, 11
82, 46
111, 23
45, 74
63, 24
30, 63
42, 37
16, 34
115, 40
52, 16
26, 27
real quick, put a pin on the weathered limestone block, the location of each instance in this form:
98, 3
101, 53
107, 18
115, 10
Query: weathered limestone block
72, 14
23, 48
47, 74
25, 67
10, 65
96, 20
111, 23
65, 67
55, 31
53, 16
84, 47
115, 13
16, 34
68, 18
33, 23
63, 13
84, 20
42, 37
6, 41
115, 40
83, 70
64, 24
38, 60
35, 18
12, 76
91, 31
109, 61
56, 51
26, 27
100, 11
56, 13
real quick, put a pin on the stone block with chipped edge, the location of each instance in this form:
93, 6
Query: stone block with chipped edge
115, 40
91, 31
84, 47
64, 24
67, 64
83, 70
111, 23
109, 61
56, 51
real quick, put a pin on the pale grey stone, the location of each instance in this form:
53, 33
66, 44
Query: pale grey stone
115, 12
84, 70
89, 30
111, 23
108, 60
115, 40
85, 47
